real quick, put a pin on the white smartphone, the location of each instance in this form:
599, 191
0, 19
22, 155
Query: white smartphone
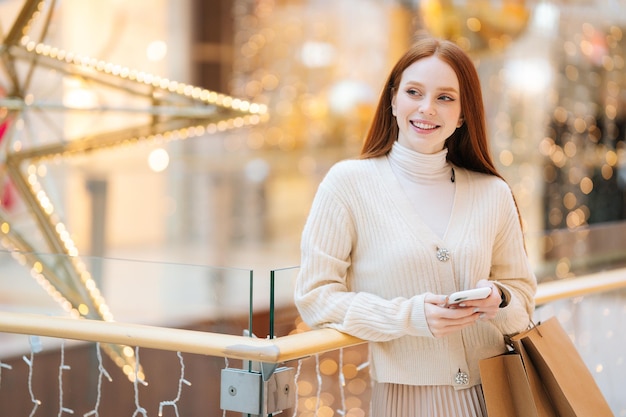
473, 294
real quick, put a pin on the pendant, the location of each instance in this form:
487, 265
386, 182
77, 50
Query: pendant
461, 378
443, 254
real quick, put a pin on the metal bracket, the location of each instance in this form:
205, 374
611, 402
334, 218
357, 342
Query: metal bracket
258, 393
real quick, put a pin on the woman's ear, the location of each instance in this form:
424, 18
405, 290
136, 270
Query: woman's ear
460, 122
393, 104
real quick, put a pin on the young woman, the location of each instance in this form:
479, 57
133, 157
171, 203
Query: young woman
421, 214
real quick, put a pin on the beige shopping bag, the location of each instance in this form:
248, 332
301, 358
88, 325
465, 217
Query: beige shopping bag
569, 384
512, 387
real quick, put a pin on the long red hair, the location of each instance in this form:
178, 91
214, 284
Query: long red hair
468, 146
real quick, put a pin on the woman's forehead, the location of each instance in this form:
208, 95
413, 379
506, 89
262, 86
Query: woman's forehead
431, 71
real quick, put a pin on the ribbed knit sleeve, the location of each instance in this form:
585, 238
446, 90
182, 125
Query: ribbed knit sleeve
510, 268
323, 296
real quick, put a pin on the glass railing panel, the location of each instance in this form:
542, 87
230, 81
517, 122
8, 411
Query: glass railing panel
331, 383
132, 291
184, 296
139, 292
282, 318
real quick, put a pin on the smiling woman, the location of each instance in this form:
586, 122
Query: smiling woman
421, 214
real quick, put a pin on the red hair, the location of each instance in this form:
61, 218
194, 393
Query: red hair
468, 146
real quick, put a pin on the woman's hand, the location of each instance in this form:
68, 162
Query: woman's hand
444, 320
488, 307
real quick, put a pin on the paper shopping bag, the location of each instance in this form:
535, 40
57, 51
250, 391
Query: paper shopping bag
506, 387
512, 387
541, 400
567, 380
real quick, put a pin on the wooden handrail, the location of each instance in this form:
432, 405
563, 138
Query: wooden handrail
580, 286
278, 350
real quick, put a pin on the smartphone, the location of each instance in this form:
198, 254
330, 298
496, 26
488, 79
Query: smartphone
473, 294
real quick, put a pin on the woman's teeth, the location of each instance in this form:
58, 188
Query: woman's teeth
425, 126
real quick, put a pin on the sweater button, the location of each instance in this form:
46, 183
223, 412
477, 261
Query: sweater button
461, 378
443, 254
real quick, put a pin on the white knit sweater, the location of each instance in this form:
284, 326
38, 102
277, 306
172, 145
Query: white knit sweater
368, 259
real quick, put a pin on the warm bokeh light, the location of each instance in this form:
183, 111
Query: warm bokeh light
156, 51
158, 160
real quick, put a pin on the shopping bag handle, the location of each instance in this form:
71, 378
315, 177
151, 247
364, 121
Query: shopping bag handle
536, 327
531, 325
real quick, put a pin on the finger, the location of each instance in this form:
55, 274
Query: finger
486, 283
436, 299
444, 326
462, 315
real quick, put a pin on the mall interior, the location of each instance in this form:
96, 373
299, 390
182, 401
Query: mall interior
159, 159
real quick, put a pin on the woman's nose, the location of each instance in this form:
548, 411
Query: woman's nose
426, 107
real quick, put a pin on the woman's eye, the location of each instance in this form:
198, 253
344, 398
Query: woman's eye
412, 92
446, 98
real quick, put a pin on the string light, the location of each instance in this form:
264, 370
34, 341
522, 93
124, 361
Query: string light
35, 347
138, 379
174, 403
189, 91
102, 373
342, 384
4, 366
63, 367
318, 397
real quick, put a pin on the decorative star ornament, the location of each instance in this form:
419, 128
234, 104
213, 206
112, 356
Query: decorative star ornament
31, 227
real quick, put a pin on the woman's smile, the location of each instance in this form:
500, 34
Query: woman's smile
424, 126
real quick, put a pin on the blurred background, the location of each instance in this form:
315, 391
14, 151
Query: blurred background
553, 81
236, 195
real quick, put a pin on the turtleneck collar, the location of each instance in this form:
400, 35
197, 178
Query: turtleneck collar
419, 167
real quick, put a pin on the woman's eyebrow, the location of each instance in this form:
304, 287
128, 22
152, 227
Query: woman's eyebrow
445, 89
451, 89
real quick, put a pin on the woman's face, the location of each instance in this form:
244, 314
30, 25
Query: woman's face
427, 105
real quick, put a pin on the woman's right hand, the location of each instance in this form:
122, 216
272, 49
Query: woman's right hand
442, 320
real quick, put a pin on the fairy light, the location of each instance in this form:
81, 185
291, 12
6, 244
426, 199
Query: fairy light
126, 362
102, 373
72, 251
174, 403
63, 367
138, 379
30, 363
252, 113
198, 93
4, 366
342, 384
